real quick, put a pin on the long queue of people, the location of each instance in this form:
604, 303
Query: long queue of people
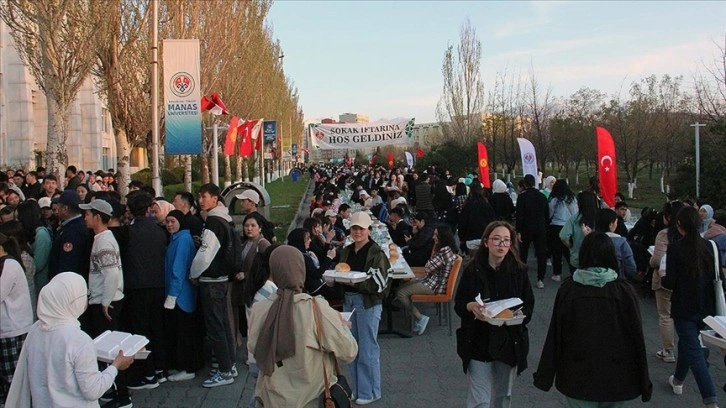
202, 283
148, 267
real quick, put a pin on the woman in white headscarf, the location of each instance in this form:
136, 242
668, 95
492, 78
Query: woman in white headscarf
58, 367
709, 229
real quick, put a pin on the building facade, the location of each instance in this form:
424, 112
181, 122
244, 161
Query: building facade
24, 119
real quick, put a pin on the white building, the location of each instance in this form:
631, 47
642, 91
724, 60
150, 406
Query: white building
24, 119
426, 134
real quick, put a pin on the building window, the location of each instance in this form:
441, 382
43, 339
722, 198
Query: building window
106, 159
105, 119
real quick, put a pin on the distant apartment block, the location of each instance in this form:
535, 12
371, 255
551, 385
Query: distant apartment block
353, 118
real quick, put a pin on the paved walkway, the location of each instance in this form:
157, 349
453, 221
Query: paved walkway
424, 371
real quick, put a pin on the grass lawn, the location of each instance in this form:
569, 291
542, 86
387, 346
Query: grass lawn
647, 193
285, 197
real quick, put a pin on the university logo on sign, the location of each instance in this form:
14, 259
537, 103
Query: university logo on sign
528, 158
182, 84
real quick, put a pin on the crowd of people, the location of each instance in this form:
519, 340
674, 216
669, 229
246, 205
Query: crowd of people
84, 260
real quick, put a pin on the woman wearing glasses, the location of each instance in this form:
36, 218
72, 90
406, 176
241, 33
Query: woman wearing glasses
492, 355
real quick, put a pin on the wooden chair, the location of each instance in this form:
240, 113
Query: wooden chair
447, 297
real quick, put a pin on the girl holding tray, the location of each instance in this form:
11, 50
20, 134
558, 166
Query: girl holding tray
493, 355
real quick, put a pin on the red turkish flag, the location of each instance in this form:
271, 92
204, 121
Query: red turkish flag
231, 140
419, 153
245, 147
483, 165
607, 169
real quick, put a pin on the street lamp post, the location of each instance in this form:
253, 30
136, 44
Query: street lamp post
698, 157
215, 146
155, 179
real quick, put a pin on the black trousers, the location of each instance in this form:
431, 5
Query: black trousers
143, 314
539, 238
557, 249
98, 324
184, 341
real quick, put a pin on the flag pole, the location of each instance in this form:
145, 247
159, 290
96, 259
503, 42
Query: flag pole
215, 157
155, 179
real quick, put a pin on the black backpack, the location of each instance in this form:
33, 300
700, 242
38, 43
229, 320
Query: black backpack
232, 251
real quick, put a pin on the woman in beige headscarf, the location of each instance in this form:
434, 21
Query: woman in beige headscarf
57, 366
291, 366
161, 209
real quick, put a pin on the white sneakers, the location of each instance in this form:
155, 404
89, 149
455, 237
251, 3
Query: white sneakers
677, 389
540, 284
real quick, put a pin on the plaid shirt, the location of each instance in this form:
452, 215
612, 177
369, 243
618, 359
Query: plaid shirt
438, 269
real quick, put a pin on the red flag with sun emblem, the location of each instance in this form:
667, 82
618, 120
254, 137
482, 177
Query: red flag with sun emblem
389, 158
483, 165
607, 169
231, 140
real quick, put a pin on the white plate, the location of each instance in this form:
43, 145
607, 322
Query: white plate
509, 322
710, 337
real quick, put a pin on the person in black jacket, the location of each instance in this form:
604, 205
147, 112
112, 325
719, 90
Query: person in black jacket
398, 228
690, 271
314, 267
474, 217
532, 216
419, 245
71, 248
594, 351
211, 270
143, 251
491, 355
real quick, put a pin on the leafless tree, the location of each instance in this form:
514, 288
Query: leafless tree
462, 99
57, 40
124, 78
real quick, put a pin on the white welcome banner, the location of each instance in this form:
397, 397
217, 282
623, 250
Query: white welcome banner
183, 115
529, 159
359, 135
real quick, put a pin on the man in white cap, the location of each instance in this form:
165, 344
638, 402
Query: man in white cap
105, 282
249, 200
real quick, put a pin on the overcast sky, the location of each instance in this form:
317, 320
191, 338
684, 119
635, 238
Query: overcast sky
383, 59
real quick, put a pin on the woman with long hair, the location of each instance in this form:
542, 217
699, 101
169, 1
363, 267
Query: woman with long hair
562, 206
314, 284
493, 355
38, 237
580, 224
607, 222
689, 274
253, 243
593, 312
662, 295
318, 244
436, 278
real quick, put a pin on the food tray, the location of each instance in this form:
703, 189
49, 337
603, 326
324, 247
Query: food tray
109, 343
710, 337
345, 277
509, 322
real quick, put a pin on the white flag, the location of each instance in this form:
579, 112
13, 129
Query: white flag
409, 159
529, 159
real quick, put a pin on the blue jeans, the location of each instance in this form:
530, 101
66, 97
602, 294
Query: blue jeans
490, 384
691, 356
219, 332
365, 370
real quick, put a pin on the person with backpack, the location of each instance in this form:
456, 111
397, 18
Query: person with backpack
211, 269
